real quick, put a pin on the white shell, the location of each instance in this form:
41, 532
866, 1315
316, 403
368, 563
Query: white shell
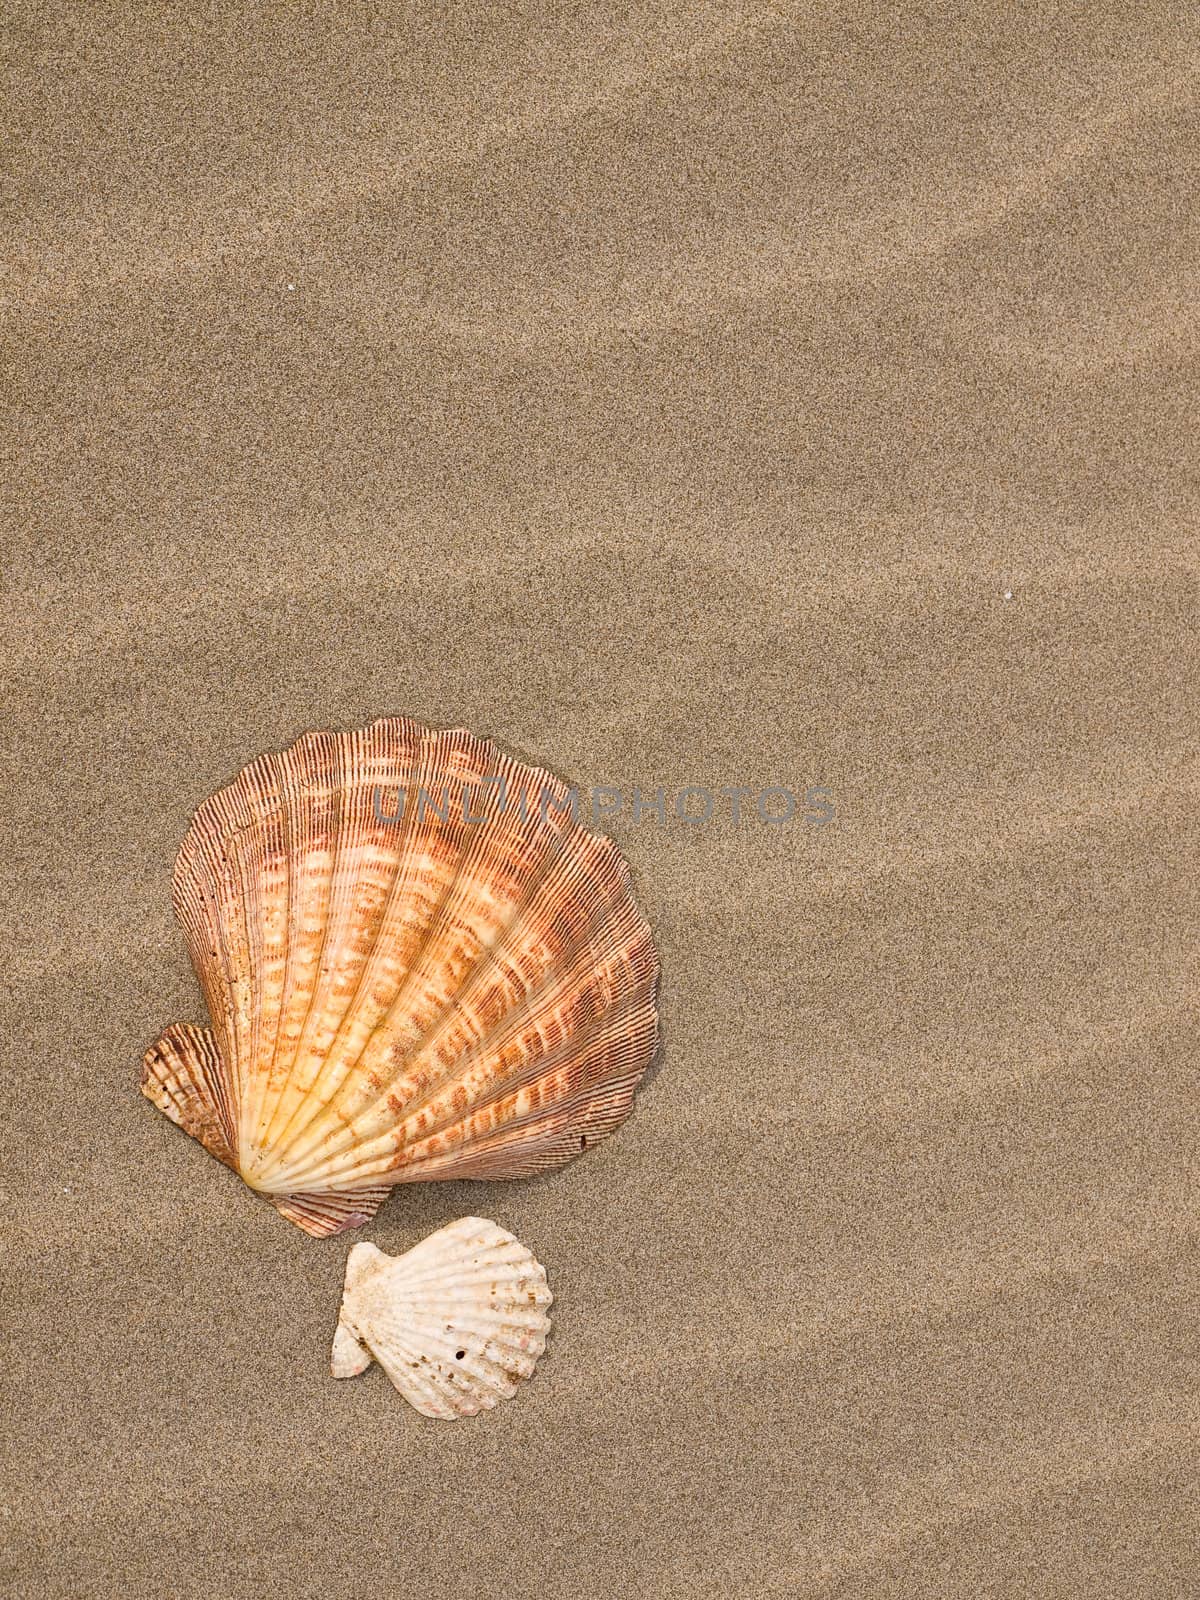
456, 1323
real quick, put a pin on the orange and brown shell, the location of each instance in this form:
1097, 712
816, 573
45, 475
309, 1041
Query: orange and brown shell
418, 965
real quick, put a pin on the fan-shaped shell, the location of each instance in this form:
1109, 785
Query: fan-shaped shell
456, 1323
418, 965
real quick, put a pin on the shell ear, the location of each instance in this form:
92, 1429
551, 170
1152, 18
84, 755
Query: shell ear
323, 1214
349, 1358
183, 1075
364, 1258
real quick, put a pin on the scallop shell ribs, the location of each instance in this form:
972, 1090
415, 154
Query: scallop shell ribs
418, 965
456, 1323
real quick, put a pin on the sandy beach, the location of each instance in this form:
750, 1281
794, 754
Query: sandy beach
707, 397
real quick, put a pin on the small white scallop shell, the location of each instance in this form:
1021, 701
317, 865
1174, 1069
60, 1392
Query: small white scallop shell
456, 1323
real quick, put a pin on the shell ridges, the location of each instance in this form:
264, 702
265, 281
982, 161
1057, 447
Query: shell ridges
456, 983
456, 1323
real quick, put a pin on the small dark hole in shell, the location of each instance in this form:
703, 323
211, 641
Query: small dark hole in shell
459, 1354
583, 1141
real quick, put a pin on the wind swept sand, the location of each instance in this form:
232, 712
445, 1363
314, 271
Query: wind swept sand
776, 396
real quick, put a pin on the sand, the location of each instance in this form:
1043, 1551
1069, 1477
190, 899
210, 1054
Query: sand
717, 396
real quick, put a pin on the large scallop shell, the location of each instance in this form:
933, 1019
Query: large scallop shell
418, 965
456, 1323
